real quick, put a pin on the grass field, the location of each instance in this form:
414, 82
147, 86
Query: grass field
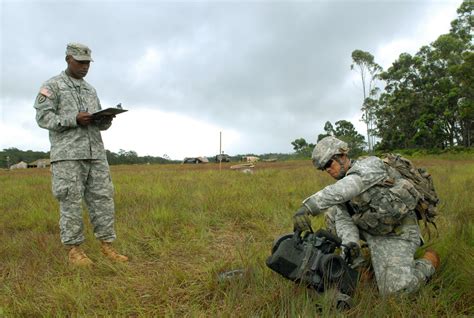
182, 225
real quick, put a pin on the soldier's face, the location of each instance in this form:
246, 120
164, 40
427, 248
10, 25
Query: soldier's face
334, 167
77, 69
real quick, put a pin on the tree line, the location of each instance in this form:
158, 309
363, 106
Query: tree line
343, 130
12, 156
427, 100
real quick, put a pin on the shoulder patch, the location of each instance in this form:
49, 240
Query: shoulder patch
46, 92
41, 98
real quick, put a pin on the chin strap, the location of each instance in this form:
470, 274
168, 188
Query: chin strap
342, 171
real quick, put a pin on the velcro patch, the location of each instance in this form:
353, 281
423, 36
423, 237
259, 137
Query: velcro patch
46, 92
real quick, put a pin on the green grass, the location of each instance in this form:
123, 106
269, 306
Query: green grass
182, 225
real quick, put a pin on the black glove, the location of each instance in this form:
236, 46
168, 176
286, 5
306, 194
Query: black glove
301, 220
351, 251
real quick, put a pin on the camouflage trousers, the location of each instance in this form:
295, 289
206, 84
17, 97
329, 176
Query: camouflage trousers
392, 255
75, 181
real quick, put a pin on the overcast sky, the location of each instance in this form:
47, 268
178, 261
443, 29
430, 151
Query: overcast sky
261, 72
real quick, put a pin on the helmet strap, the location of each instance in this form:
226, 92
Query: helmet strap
342, 171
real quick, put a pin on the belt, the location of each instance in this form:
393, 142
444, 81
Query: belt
408, 220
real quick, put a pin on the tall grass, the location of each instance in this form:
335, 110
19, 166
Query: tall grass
183, 225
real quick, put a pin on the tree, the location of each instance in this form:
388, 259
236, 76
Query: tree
299, 144
302, 147
465, 74
13, 155
329, 129
428, 98
401, 104
345, 131
462, 27
369, 71
127, 157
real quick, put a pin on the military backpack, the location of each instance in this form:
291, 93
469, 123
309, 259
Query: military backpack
423, 183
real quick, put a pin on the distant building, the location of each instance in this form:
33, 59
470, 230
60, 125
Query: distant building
195, 160
40, 163
19, 165
222, 158
250, 159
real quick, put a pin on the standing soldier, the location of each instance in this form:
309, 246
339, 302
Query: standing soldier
78, 160
371, 201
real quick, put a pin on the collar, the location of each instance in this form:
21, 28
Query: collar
73, 82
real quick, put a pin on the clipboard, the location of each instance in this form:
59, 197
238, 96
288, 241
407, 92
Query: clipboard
109, 112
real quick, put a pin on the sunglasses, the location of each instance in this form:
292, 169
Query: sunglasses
328, 164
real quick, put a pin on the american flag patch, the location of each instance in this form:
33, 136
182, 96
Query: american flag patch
46, 92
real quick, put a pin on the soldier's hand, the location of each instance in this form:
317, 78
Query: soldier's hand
84, 118
301, 220
352, 252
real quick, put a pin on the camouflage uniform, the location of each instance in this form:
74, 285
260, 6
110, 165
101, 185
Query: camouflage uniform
374, 203
79, 164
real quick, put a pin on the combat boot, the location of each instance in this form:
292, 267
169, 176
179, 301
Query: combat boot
433, 258
77, 257
111, 253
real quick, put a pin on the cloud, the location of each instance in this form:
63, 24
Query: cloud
147, 66
265, 72
158, 133
18, 128
423, 33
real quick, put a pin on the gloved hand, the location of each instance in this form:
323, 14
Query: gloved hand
301, 220
352, 252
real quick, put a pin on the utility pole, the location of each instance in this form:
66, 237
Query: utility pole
220, 150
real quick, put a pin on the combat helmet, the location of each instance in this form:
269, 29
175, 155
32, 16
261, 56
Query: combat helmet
325, 149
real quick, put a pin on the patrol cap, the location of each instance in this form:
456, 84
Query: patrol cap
325, 149
79, 52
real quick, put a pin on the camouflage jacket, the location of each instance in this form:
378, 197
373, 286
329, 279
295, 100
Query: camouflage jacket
378, 195
57, 104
